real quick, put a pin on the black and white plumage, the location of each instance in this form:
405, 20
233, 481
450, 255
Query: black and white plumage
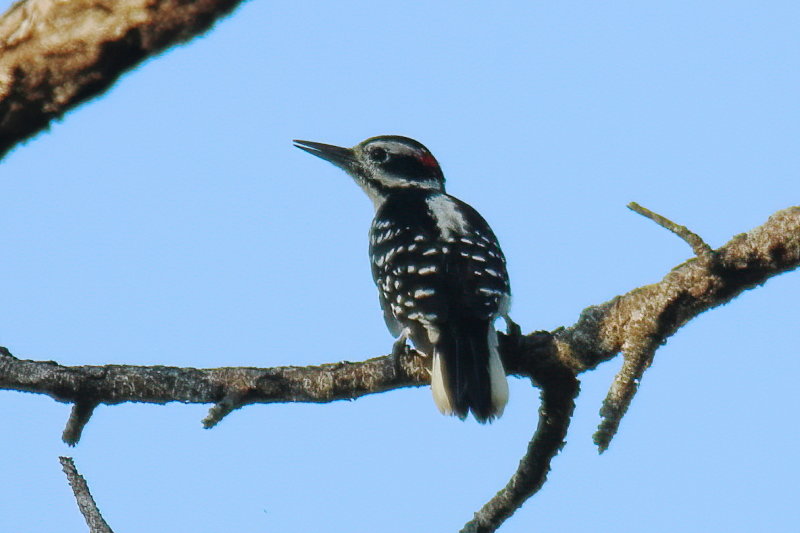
440, 273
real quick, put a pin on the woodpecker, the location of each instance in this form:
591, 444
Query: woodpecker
440, 273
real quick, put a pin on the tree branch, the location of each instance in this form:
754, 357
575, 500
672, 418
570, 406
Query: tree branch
635, 324
236, 387
699, 246
643, 319
84, 498
559, 388
54, 55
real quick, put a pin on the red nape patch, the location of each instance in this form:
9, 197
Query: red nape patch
429, 161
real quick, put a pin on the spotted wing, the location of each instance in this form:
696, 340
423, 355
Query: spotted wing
426, 277
478, 278
400, 273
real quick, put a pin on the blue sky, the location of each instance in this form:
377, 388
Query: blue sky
171, 221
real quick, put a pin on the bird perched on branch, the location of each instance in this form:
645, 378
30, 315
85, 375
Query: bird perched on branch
441, 276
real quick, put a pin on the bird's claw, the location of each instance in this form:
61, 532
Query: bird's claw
512, 328
400, 347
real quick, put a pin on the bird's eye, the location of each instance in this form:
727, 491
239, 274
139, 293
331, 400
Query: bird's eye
378, 155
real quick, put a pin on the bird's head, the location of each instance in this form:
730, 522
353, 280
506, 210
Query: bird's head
382, 165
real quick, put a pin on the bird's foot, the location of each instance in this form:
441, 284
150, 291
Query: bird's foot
400, 347
512, 328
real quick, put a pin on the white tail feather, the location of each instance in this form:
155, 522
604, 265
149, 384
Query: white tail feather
497, 376
438, 387
497, 381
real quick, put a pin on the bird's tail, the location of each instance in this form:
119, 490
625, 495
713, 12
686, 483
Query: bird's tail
468, 374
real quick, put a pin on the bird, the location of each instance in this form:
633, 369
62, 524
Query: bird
441, 275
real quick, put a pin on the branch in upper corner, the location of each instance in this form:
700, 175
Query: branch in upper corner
86, 503
54, 55
699, 246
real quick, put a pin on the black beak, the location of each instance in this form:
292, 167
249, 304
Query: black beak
341, 157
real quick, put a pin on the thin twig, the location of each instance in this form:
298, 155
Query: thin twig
223, 408
699, 246
626, 383
78, 418
86, 503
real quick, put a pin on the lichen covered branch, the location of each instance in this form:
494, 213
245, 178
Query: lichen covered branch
638, 322
634, 324
114, 384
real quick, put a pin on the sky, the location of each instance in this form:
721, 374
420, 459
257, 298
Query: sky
170, 221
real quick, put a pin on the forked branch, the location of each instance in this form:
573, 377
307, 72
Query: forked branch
633, 324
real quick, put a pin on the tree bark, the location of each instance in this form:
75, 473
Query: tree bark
55, 55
